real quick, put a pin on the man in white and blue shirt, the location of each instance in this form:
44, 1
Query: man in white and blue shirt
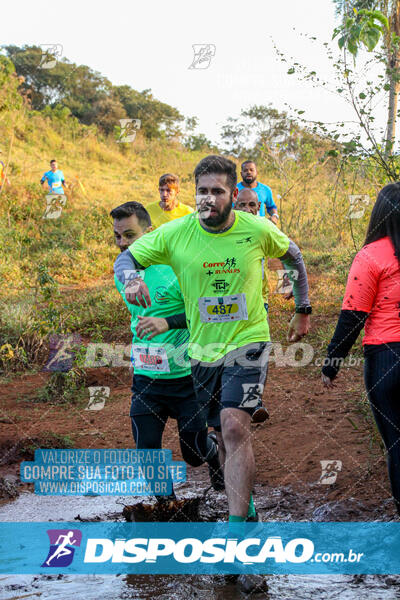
264, 193
55, 178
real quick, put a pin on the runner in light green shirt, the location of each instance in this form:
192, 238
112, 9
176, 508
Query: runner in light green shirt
226, 267
216, 255
162, 384
170, 347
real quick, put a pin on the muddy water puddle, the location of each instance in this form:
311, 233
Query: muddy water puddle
274, 505
200, 587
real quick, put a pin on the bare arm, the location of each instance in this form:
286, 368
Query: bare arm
152, 326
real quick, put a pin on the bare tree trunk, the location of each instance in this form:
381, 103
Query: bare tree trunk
392, 116
394, 73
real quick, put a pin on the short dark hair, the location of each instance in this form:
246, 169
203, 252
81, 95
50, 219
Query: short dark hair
217, 164
169, 179
248, 162
132, 208
53, 160
385, 217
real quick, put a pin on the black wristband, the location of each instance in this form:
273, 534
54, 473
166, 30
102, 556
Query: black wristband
303, 310
177, 321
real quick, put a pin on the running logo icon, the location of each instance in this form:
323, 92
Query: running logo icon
252, 393
97, 397
54, 205
285, 280
358, 205
330, 470
62, 547
203, 54
63, 349
127, 130
50, 55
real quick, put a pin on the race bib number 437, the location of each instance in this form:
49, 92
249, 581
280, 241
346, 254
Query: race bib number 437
214, 309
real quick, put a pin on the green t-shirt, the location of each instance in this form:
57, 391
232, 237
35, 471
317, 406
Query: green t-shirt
220, 277
165, 356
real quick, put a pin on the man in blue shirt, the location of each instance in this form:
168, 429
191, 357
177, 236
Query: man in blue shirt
264, 193
55, 178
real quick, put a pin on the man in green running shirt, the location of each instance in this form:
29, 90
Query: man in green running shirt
162, 382
216, 254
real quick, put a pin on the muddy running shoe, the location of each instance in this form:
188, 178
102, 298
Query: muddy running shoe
248, 582
215, 469
260, 414
213, 436
251, 577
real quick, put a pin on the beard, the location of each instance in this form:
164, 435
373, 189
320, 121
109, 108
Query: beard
249, 179
215, 220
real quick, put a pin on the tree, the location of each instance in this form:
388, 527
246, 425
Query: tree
282, 148
198, 142
368, 22
9, 82
90, 96
263, 127
157, 118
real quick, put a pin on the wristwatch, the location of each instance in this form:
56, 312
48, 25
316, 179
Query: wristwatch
304, 310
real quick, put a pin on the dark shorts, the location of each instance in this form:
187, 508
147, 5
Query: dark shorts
174, 398
235, 381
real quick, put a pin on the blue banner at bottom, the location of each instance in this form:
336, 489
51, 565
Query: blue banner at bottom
207, 548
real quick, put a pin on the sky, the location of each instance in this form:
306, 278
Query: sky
149, 45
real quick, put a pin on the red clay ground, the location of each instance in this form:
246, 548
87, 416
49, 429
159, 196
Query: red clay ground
306, 425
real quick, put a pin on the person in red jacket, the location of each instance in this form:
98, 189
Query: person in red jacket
372, 300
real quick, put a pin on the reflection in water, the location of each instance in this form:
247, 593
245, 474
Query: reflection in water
29, 507
201, 587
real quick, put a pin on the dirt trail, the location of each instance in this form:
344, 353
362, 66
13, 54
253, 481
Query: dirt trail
306, 426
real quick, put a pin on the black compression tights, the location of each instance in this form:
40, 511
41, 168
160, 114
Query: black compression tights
382, 380
196, 447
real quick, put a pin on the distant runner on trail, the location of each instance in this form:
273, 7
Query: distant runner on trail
162, 382
264, 193
169, 207
55, 178
219, 272
372, 301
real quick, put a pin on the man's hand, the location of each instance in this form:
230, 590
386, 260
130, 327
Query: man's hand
151, 326
137, 293
274, 219
299, 327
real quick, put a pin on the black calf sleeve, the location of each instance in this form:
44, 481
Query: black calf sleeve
197, 447
147, 431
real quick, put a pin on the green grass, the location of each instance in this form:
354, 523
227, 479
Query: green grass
76, 252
